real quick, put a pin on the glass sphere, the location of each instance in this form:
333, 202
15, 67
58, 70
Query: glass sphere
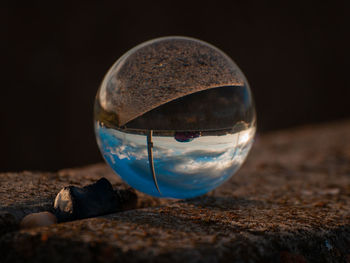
174, 117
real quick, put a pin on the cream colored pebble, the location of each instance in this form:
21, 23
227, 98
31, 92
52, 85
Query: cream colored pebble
38, 219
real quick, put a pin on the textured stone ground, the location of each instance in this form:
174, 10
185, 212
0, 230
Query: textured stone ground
290, 202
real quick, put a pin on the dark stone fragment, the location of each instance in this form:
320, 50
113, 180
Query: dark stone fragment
73, 203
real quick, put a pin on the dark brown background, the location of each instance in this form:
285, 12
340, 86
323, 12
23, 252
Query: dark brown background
55, 54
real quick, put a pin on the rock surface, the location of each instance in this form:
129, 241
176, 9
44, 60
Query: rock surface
162, 70
290, 202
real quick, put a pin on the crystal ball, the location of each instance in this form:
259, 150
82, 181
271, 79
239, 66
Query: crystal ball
174, 117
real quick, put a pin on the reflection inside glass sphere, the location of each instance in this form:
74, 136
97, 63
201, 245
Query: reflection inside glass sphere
182, 170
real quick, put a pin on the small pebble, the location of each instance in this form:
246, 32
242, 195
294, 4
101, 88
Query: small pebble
38, 219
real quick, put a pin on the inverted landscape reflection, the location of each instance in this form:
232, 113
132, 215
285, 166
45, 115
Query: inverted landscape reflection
183, 169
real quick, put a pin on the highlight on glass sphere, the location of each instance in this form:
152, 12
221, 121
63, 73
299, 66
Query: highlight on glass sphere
174, 117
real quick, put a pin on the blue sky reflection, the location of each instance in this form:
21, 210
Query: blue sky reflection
183, 169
